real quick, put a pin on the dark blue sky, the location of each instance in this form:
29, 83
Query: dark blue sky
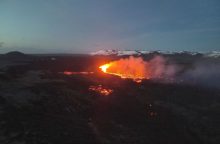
73, 26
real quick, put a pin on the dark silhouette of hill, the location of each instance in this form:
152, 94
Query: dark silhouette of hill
15, 54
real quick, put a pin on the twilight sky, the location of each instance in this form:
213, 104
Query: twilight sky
79, 26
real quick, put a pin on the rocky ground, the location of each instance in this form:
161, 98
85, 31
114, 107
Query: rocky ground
39, 105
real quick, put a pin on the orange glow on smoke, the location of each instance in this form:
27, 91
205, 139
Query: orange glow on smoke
132, 68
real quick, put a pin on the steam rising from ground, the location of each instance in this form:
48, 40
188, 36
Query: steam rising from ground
205, 73
160, 68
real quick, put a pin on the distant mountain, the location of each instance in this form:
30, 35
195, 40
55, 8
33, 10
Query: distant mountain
105, 52
139, 52
214, 54
120, 53
15, 54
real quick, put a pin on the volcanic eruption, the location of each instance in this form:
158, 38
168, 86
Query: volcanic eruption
132, 68
137, 69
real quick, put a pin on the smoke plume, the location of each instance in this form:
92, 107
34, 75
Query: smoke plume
201, 73
136, 68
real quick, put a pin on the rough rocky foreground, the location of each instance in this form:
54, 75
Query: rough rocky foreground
38, 105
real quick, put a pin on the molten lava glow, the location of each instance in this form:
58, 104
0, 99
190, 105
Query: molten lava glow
105, 67
99, 89
76, 73
132, 68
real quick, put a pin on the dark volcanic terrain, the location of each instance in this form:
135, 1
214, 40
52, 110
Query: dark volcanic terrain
41, 105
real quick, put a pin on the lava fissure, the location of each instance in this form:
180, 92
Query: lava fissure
137, 69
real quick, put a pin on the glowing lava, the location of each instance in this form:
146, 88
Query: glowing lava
132, 68
105, 67
99, 89
76, 73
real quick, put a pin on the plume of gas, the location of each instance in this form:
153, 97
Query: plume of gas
161, 68
203, 73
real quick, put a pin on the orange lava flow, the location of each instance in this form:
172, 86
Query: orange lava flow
76, 73
131, 68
